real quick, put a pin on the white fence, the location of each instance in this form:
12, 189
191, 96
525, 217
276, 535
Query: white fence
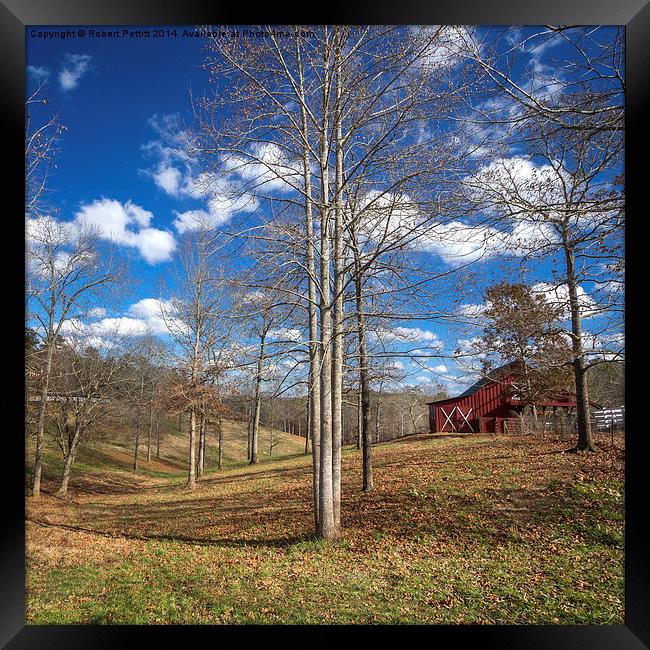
606, 419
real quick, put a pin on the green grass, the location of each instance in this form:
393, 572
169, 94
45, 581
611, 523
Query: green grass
427, 546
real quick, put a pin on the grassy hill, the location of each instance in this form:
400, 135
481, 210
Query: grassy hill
480, 529
112, 451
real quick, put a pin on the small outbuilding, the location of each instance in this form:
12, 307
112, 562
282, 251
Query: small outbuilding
488, 403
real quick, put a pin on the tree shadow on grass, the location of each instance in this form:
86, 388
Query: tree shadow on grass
279, 542
275, 513
494, 516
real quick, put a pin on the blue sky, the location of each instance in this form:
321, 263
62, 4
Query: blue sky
113, 95
125, 87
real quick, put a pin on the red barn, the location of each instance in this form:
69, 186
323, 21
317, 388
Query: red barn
483, 406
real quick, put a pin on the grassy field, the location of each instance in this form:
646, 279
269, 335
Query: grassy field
107, 461
458, 530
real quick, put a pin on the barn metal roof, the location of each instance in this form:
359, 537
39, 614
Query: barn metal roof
492, 376
563, 398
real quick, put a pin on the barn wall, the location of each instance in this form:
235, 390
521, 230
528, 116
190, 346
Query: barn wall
487, 401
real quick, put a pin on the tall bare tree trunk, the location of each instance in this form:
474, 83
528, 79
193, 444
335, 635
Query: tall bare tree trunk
219, 444
40, 429
249, 431
364, 375
204, 452
258, 401
65, 477
191, 477
150, 434
200, 462
313, 392
137, 441
326, 525
377, 411
67, 463
585, 437
157, 435
359, 421
337, 347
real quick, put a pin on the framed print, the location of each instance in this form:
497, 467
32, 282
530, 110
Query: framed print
326, 321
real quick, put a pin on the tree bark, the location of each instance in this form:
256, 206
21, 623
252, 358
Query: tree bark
40, 429
313, 393
337, 325
249, 431
157, 435
326, 525
359, 421
585, 438
68, 461
377, 411
65, 477
201, 459
364, 379
220, 445
137, 442
258, 401
191, 477
150, 434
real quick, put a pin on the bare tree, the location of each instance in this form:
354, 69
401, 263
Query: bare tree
192, 318
565, 181
306, 128
66, 276
42, 135
87, 380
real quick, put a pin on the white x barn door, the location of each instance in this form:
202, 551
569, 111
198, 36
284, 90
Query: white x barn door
449, 417
466, 418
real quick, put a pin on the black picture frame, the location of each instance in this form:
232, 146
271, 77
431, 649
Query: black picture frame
15, 15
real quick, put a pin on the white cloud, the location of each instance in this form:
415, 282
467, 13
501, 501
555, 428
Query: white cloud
147, 316
155, 313
604, 345
457, 243
410, 334
397, 218
137, 214
285, 334
38, 72
558, 295
224, 199
536, 198
472, 311
168, 178
192, 220
127, 225
266, 167
44, 231
75, 67
155, 245
230, 190
519, 183
102, 333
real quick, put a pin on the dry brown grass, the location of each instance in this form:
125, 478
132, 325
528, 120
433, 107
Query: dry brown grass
490, 513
